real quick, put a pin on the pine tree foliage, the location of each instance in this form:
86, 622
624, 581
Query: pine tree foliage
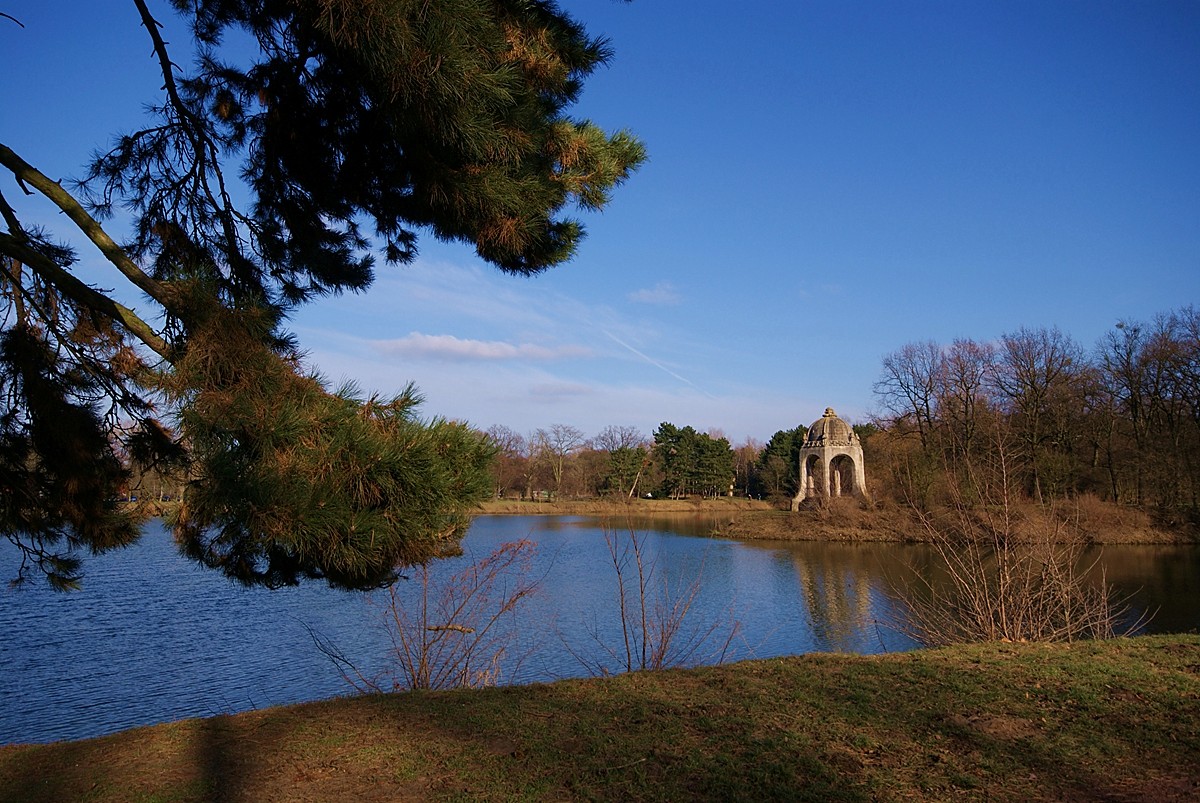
353, 126
291, 480
778, 464
691, 462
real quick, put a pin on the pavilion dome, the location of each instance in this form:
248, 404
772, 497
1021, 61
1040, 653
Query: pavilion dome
829, 430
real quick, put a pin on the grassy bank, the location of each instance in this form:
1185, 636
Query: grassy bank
1087, 520
1113, 721
621, 507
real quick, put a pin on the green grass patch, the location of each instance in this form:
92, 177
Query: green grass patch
1115, 720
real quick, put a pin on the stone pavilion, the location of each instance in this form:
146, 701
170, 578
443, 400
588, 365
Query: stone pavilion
831, 461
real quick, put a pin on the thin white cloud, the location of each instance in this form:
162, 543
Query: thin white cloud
526, 396
449, 347
663, 293
523, 355
560, 391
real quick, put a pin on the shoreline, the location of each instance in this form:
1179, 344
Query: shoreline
1087, 522
623, 507
849, 520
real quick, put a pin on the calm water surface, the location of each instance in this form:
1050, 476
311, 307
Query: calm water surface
152, 638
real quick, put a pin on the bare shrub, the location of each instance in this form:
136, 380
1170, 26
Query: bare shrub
458, 631
1008, 578
658, 628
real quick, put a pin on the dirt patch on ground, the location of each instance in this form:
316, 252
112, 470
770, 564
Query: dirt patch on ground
996, 726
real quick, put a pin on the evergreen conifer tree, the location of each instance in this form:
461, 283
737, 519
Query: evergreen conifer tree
353, 125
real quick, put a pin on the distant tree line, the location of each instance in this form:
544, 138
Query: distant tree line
622, 462
619, 461
1121, 421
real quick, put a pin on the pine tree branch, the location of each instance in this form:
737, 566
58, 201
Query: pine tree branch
160, 51
27, 174
79, 292
194, 126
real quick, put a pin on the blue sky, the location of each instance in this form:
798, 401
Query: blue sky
826, 182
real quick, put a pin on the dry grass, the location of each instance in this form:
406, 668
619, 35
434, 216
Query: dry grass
1085, 520
832, 520
1114, 721
1098, 522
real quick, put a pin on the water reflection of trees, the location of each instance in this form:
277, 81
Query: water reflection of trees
839, 596
1149, 581
845, 600
674, 522
1155, 578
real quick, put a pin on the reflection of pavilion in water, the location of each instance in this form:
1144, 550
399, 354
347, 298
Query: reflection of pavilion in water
840, 588
831, 461
835, 589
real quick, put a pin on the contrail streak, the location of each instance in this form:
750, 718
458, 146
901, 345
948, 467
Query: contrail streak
656, 363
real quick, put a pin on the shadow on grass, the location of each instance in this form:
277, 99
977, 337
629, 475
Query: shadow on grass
222, 757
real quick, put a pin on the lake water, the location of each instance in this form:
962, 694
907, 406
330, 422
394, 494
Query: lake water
151, 637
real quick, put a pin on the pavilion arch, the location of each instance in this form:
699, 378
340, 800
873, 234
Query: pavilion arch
843, 476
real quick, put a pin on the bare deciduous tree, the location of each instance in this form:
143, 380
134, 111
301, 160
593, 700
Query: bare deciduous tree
1035, 376
512, 457
745, 464
962, 391
554, 445
908, 387
612, 438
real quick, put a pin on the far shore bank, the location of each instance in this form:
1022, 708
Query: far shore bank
1090, 522
620, 507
